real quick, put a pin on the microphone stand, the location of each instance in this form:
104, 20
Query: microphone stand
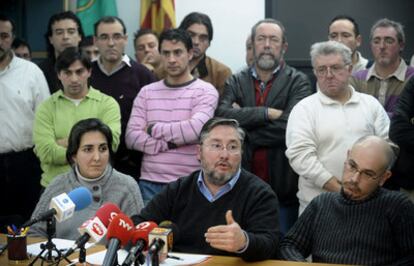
49, 246
140, 259
155, 260
82, 254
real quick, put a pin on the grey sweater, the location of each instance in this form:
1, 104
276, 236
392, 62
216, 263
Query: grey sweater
114, 187
334, 229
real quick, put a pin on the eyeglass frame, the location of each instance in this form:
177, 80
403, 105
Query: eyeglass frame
353, 169
219, 147
334, 70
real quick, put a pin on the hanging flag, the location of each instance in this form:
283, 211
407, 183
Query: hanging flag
90, 11
157, 15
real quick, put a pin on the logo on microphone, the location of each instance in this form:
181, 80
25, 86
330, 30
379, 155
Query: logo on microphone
97, 229
125, 225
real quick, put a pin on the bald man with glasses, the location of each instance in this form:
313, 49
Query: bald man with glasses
363, 224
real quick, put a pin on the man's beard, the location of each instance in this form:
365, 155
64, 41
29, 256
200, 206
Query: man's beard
217, 179
267, 61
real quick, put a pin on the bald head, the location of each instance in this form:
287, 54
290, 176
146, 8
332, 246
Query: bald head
383, 151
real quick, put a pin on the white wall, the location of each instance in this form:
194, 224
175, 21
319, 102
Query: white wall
232, 21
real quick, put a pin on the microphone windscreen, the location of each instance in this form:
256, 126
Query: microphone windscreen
142, 231
120, 228
107, 212
81, 197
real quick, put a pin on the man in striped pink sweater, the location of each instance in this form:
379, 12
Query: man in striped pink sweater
167, 117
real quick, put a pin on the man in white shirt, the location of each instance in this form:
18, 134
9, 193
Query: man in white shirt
323, 126
23, 88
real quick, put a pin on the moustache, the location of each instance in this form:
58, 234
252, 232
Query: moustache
223, 163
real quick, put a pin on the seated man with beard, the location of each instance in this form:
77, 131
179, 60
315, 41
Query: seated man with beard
363, 224
220, 209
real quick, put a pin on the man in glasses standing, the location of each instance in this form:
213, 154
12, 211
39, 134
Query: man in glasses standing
364, 224
386, 78
323, 126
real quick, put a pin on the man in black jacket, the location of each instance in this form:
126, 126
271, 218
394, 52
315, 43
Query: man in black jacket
222, 209
261, 99
402, 133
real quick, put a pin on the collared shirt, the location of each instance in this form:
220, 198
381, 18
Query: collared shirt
124, 62
360, 64
385, 83
221, 192
23, 88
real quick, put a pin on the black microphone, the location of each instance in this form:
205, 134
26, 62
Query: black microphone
119, 233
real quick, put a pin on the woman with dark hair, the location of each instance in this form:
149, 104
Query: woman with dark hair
89, 153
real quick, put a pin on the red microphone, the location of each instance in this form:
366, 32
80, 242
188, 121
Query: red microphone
95, 228
139, 241
119, 233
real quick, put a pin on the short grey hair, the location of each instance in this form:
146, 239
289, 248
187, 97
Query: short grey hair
219, 121
386, 23
328, 48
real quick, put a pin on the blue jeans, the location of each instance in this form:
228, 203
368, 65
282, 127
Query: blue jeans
149, 189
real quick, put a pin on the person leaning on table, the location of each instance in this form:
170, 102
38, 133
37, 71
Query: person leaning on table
89, 153
221, 209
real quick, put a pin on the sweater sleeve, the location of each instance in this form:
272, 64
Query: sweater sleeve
54, 189
187, 131
111, 116
261, 226
44, 137
402, 223
301, 145
136, 136
133, 203
297, 243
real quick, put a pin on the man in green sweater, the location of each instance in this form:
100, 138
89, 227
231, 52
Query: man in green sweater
363, 224
77, 101
222, 209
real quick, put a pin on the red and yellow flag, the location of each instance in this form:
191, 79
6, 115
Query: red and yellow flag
157, 15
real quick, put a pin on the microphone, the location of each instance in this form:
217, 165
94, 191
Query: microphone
96, 227
162, 237
139, 240
119, 233
64, 205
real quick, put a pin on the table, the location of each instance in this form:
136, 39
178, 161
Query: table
213, 261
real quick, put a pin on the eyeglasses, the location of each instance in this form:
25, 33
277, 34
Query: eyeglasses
116, 37
351, 166
218, 147
322, 71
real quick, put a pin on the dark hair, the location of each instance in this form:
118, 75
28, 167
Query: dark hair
85, 126
200, 18
20, 42
350, 19
142, 32
87, 41
58, 17
219, 121
271, 21
110, 20
178, 35
6, 18
68, 57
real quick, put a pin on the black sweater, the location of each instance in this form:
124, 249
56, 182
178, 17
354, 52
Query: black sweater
334, 229
254, 206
